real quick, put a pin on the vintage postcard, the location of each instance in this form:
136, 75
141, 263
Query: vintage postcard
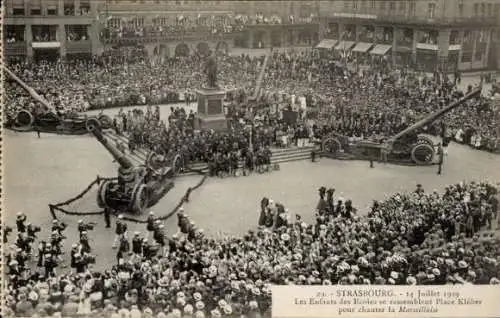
250, 158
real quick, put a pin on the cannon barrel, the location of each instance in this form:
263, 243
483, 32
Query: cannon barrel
432, 117
93, 127
30, 90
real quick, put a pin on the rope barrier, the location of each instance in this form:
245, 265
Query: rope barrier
59, 207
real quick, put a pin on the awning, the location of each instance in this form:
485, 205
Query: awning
380, 49
362, 47
344, 45
326, 44
46, 45
425, 46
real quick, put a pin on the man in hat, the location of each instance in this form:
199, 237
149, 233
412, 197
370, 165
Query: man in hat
440, 153
150, 222
120, 230
21, 226
107, 217
183, 221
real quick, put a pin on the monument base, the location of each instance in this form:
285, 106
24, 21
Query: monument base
210, 109
216, 123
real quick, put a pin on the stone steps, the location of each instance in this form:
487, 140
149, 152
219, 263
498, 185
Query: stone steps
279, 155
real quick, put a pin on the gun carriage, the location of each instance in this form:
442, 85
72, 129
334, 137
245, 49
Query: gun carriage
406, 146
137, 187
49, 120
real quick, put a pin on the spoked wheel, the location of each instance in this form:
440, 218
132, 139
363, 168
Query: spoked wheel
156, 161
425, 140
422, 154
101, 194
91, 124
105, 121
332, 146
24, 119
140, 199
177, 165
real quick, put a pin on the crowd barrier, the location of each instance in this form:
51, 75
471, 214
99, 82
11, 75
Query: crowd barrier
60, 207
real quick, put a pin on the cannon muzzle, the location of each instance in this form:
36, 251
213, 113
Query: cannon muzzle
92, 124
94, 127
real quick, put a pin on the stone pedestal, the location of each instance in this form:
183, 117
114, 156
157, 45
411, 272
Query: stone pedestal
211, 109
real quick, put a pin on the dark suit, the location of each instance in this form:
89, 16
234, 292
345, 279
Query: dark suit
440, 154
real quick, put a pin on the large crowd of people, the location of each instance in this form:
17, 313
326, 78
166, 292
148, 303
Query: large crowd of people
181, 24
409, 238
423, 238
373, 102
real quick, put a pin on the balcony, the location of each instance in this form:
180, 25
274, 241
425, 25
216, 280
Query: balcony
79, 47
412, 19
47, 20
17, 48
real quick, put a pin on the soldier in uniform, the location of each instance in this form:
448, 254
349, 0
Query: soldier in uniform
137, 245
75, 249
440, 153
183, 222
159, 236
84, 241
150, 221
330, 203
21, 226
120, 230
123, 248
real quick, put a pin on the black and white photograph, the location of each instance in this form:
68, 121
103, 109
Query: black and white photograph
184, 158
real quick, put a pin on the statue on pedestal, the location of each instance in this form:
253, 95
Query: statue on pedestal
211, 71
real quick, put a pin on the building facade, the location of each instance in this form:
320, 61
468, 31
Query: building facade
446, 34
37, 28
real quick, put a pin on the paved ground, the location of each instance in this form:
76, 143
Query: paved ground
54, 168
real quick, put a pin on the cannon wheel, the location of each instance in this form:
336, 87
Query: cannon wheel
105, 121
25, 119
140, 198
422, 153
426, 140
101, 194
91, 124
332, 145
177, 164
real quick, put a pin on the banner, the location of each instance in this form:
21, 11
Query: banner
386, 301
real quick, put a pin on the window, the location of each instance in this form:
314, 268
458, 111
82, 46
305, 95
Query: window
36, 11
483, 9
52, 11
177, 2
402, 6
346, 5
413, 8
476, 9
382, 5
355, 4
497, 10
18, 11
461, 10
84, 7
392, 6
432, 10
373, 4
69, 7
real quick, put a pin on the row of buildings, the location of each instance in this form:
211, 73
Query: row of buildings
450, 34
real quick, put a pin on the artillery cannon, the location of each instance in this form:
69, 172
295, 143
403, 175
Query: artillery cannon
406, 146
49, 119
137, 187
